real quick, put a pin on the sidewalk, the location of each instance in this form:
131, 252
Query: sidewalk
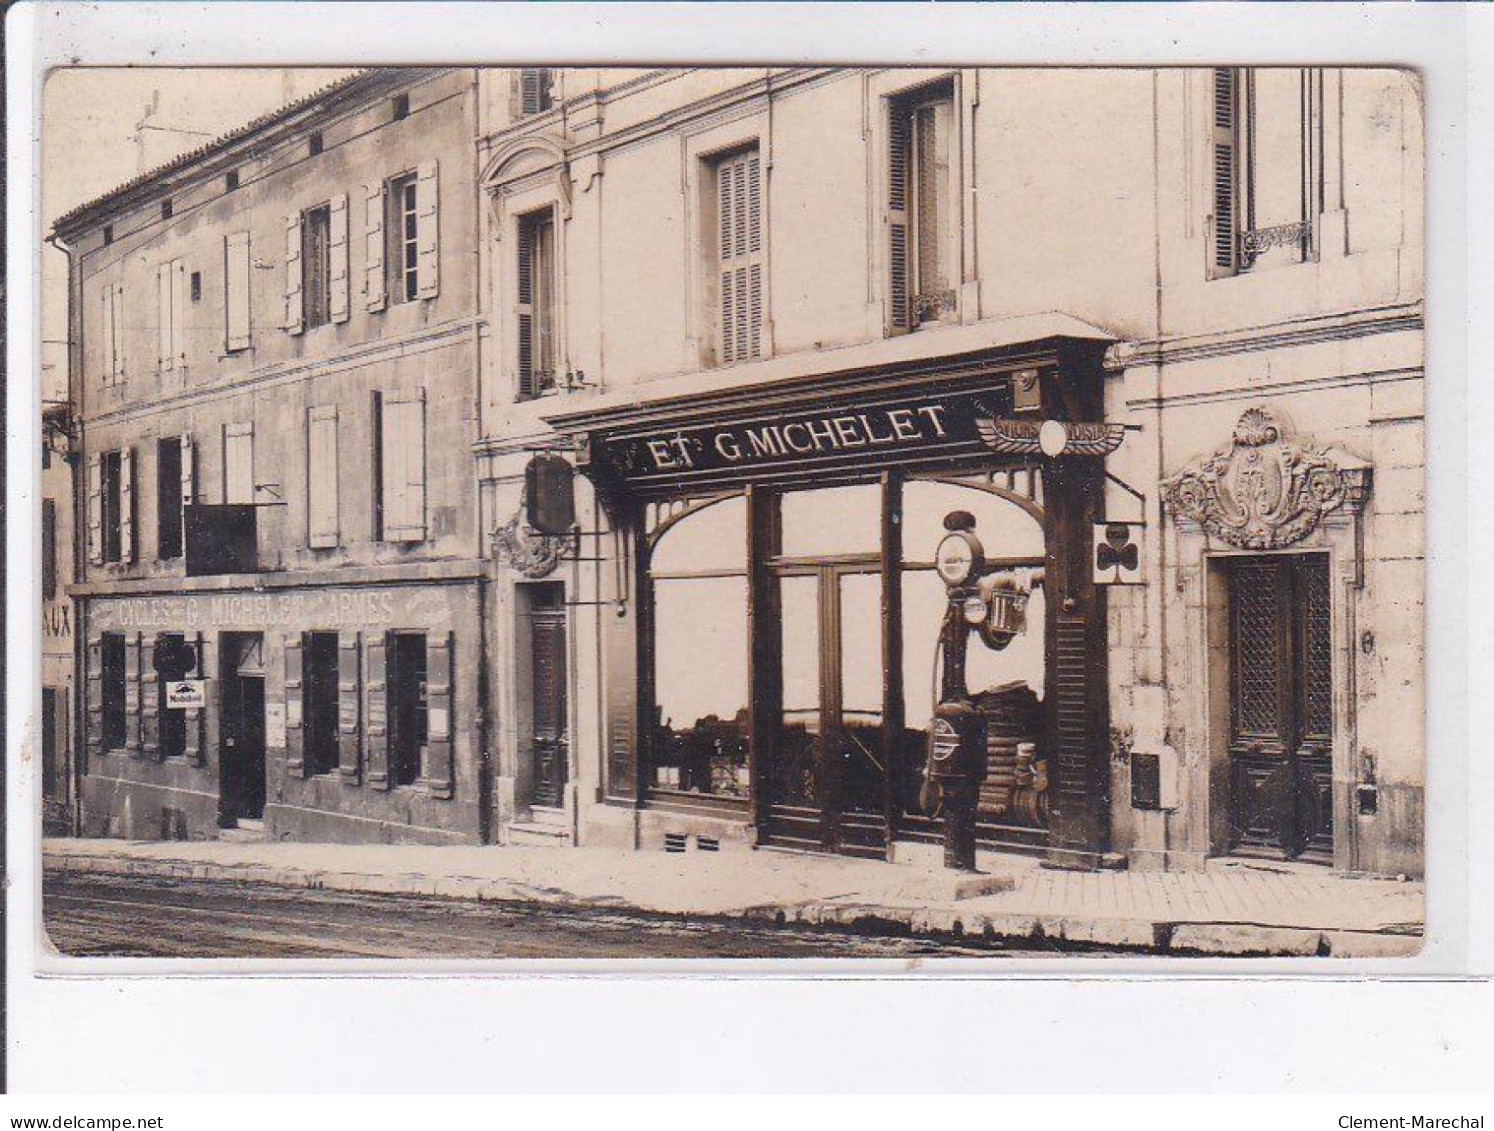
1234, 908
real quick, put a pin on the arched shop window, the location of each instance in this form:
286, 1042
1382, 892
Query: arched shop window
1007, 532
698, 570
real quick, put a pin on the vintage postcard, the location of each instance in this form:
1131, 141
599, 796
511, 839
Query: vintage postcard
754, 512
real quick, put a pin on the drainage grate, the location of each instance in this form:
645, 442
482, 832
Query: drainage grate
674, 842
707, 844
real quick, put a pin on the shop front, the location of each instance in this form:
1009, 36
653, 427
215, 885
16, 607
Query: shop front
335, 713
772, 675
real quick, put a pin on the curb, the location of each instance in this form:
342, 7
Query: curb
1182, 939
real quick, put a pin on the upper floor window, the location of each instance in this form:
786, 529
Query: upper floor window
399, 467
536, 302
49, 550
316, 255
111, 334
400, 107
174, 491
237, 269
535, 89
922, 211
111, 506
1266, 160
322, 526
171, 293
402, 238
238, 463
739, 256
316, 266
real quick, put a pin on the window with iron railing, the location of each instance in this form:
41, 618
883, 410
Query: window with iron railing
535, 268
1266, 165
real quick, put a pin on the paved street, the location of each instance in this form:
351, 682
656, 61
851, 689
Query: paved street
143, 916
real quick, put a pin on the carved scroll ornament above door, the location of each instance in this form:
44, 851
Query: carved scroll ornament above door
1268, 488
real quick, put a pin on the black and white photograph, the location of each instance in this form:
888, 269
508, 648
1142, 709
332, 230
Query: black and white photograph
694, 505
747, 547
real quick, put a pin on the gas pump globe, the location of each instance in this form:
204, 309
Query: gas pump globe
993, 605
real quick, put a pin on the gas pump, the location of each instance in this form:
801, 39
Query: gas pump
993, 607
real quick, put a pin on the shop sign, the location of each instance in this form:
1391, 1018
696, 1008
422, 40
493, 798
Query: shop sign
874, 432
294, 609
184, 693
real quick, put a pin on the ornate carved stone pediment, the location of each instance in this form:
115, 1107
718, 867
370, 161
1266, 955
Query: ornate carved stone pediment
1268, 488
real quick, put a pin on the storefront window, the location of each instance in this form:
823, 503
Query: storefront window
832, 521
700, 654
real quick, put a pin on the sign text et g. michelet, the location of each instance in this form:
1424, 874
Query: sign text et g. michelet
887, 431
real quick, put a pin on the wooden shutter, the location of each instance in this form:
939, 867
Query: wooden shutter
440, 779
321, 477
403, 464
295, 723
108, 350
237, 271
375, 287
528, 386
179, 313
150, 699
189, 471
295, 312
337, 258
117, 332
534, 83
195, 742
349, 705
95, 508
739, 227
238, 462
49, 550
1226, 170
165, 355
899, 154
94, 694
622, 675
376, 703
133, 692
127, 505
427, 231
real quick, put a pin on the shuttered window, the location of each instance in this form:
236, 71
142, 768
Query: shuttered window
321, 477
169, 477
401, 243
171, 292
111, 333
320, 694
739, 256
112, 666
1225, 237
535, 85
400, 467
236, 274
1266, 162
110, 507
238, 463
49, 550
316, 266
536, 303
922, 213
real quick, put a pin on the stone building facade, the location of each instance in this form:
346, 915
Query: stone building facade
704, 359
728, 295
273, 358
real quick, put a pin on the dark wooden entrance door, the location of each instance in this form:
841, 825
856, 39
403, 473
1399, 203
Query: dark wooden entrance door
1281, 692
548, 704
827, 782
241, 763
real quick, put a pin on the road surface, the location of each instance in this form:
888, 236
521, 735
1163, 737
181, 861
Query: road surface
137, 916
